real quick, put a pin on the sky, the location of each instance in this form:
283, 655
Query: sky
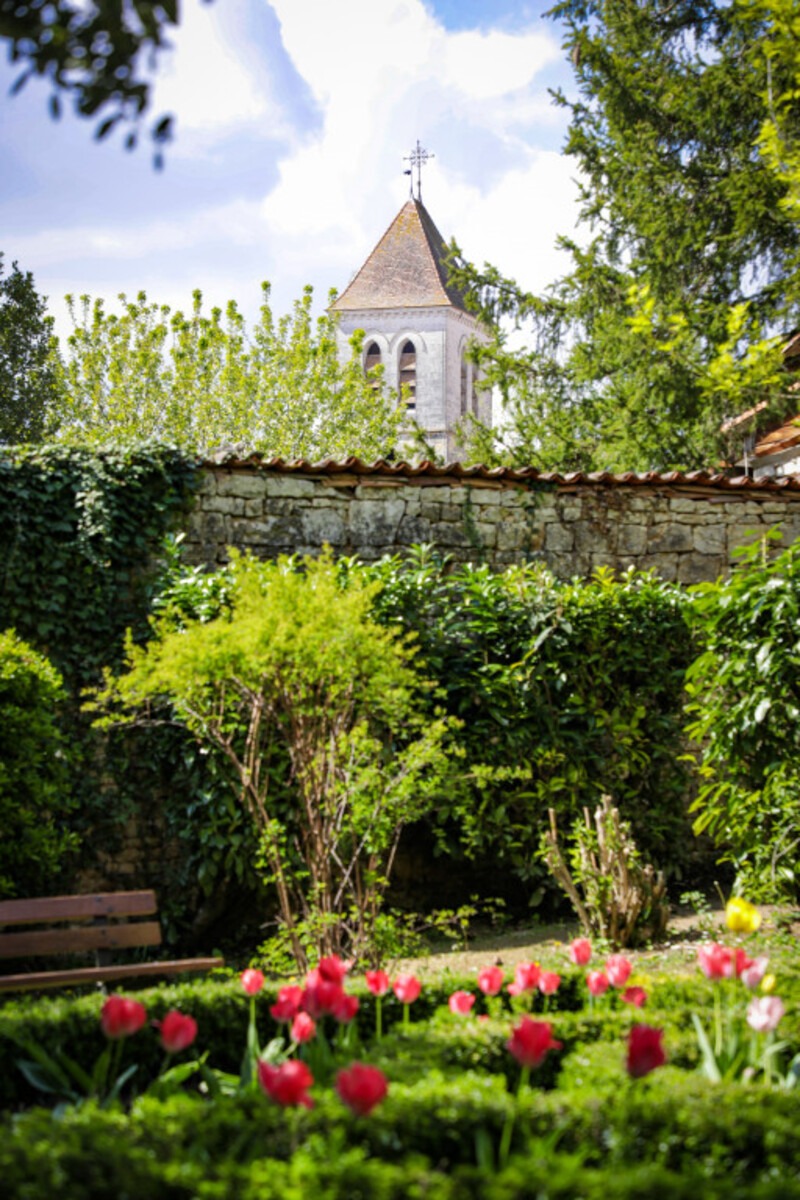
293, 119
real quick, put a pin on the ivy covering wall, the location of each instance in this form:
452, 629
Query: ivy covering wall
80, 533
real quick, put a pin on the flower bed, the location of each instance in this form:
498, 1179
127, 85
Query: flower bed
540, 1084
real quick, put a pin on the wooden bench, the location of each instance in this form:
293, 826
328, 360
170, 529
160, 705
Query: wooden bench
103, 923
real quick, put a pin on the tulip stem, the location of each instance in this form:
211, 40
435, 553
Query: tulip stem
508, 1127
378, 1020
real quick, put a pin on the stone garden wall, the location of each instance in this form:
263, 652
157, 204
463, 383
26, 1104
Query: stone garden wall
687, 527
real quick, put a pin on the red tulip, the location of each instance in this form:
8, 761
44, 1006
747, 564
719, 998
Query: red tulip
361, 1087
377, 982
618, 968
288, 1003
345, 1008
597, 982
634, 995
177, 1031
580, 951
252, 981
645, 1050
548, 982
460, 1003
303, 1028
120, 1016
320, 996
287, 1084
332, 969
407, 988
490, 980
526, 978
530, 1042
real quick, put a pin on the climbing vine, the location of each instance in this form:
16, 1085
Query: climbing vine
78, 533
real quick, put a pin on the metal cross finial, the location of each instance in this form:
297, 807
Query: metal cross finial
418, 158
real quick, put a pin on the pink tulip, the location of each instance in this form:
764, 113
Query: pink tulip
287, 1084
407, 988
580, 951
752, 974
377, 982
634, 995
288, 1003
177, 1031
252, 981
764, 1013
490, 980
548, 982
618, 968
361, 1087
526, 978
530, 1042
460, 1003
645, 1050
597, 982
120, 1017
302, 1029
716, 962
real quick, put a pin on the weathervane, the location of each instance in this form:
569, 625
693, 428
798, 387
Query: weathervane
418, 158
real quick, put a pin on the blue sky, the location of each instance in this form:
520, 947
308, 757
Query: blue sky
293, 118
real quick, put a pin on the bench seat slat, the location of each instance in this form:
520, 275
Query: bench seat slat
78, 908
45, 979
32, 942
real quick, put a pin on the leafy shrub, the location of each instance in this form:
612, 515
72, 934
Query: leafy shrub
34, 795
565, 691
744, 691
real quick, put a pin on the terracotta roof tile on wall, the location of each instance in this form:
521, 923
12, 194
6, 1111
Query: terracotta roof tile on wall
405, 270
456, 472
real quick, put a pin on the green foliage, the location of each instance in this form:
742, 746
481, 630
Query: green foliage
98, 55
744, 705
205, 381
661, 327
565, 691
28, 360
34, 796
79, 535
296, 679
78, 531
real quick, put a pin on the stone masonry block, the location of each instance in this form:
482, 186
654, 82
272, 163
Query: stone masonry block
239, 484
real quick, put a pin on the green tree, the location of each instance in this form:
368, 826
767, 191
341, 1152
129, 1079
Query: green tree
34, 794
200, 381
744, 692
640, 351
28, 360
97, 54
295, 678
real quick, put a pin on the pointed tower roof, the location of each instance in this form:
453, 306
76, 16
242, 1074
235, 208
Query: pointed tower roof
405, 270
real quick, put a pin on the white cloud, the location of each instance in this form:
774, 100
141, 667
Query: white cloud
210, 78
386, 72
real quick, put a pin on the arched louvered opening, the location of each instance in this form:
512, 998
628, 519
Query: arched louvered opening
464, 382
407, 375
372, 359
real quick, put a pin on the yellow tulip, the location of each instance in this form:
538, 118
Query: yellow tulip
768, 983
741, 916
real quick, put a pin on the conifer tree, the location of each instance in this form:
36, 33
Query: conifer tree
641, 350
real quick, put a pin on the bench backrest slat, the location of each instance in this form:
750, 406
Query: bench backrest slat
31, 942
77, 908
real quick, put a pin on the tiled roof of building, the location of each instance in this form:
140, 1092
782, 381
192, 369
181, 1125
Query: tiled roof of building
780, 439
405, 270
356, 470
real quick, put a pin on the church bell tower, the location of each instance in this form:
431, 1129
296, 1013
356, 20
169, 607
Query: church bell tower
416, 325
